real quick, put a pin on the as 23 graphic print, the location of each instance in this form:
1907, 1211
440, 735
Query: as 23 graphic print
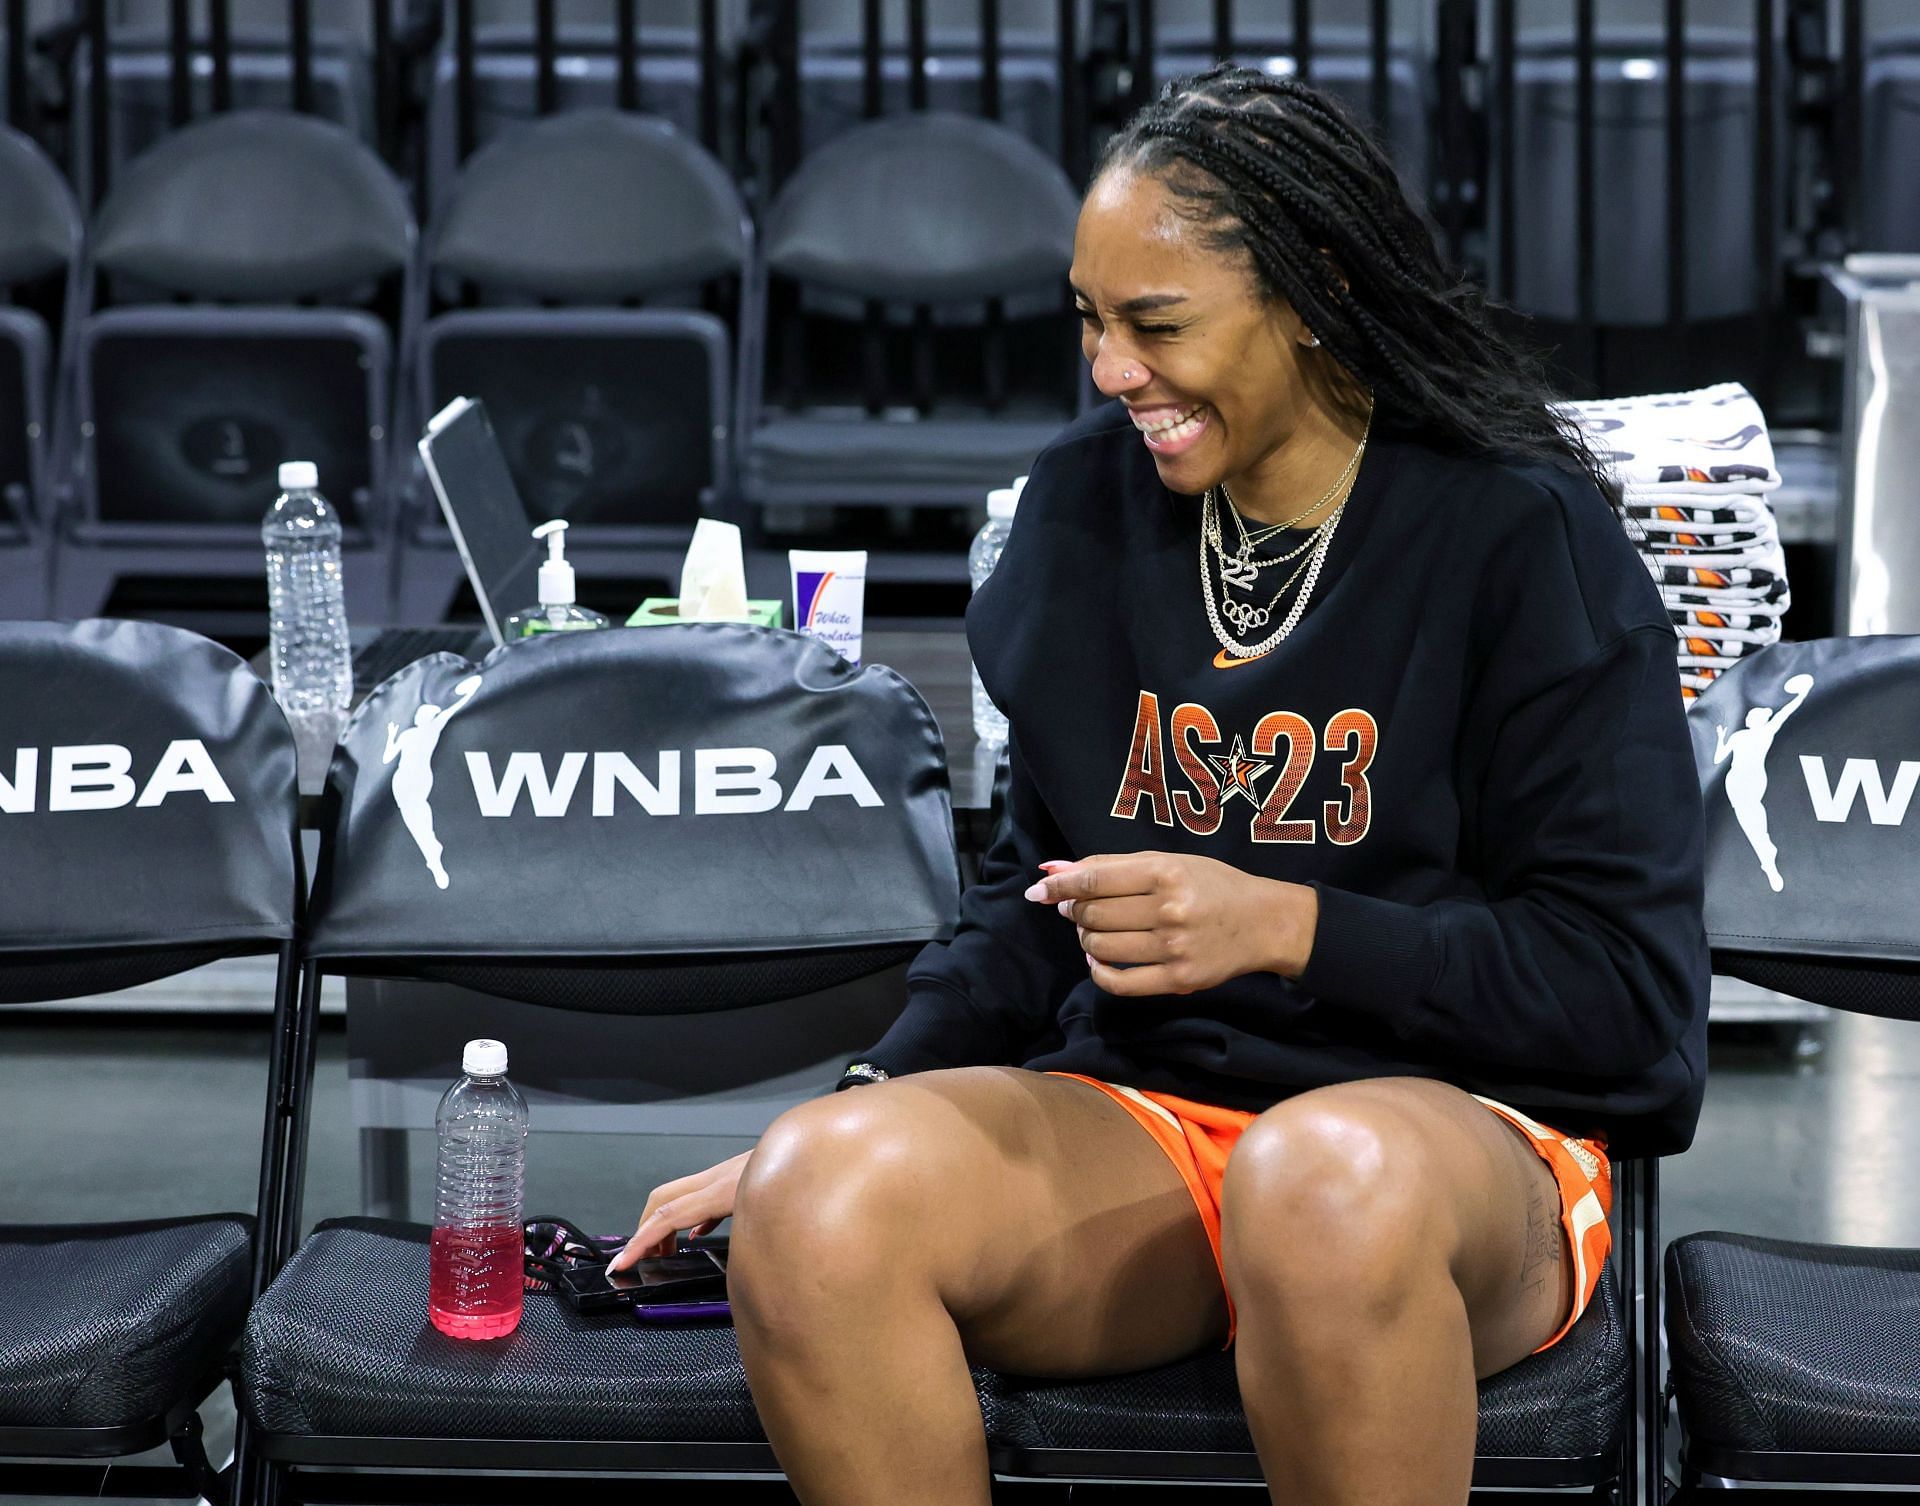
1278, 756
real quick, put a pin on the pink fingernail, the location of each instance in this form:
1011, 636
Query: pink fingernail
1038, 892
1054, 865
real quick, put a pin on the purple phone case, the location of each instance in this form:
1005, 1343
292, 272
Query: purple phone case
679, 1312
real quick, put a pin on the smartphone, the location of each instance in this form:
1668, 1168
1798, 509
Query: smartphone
689, 1276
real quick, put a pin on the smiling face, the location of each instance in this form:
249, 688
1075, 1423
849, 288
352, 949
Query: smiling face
1217, 384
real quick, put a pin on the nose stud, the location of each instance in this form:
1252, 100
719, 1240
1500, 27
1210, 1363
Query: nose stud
1126, 376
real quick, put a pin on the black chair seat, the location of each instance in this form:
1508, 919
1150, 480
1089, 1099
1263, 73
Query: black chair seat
980, 452
341, 1345
1779, 1346
1565, 1404
113, 1325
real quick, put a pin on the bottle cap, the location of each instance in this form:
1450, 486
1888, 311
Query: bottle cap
556, 575
299, 476
1019, 485
484, 1059
1002, 502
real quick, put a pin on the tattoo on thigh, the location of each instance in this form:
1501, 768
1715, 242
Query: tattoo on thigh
1541, 1267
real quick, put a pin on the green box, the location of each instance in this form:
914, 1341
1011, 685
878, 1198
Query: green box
664, 611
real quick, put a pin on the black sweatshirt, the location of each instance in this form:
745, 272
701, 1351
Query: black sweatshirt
1472, 746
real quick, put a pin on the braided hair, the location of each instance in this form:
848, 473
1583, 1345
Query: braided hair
1275, 169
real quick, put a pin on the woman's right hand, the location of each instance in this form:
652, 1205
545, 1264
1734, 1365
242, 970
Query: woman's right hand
696, 1203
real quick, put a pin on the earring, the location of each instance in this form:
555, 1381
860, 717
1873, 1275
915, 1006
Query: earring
1311, 341
1126, 376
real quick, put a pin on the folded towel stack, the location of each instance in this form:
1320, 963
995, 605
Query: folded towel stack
1696, 468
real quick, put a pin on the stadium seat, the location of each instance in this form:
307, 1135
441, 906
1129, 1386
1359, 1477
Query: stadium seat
113, 1334
139, 75
39, 269
341, 1366
185, 408
1793, 1362
617, 418
673, 79
913, 252
1341, 62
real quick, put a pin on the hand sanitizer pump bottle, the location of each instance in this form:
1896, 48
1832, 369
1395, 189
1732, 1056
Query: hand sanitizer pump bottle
557, 612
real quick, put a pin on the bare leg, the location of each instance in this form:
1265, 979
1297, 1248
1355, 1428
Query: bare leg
889, 1236
1386, 1243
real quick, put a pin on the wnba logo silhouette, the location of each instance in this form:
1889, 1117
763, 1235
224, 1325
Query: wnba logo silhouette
413, 780
1746, 781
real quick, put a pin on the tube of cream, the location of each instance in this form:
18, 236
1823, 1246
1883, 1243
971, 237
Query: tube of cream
829, 596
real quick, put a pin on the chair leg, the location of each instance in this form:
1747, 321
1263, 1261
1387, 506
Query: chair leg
186, 1436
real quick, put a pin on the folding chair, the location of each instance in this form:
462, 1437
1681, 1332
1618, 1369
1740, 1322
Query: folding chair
147, 797
616, 417
916, 347
649, 821
209, 371
1794, 1361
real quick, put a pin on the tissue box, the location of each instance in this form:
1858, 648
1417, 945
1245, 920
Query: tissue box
663, 611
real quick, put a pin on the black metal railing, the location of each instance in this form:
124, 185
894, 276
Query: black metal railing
549, 45
20, 113
1475, 99
185, 51
780, 24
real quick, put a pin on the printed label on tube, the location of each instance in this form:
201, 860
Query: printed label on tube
829, 596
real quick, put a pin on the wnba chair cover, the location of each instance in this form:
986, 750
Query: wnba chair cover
640, 820
1797, 1361
147, 805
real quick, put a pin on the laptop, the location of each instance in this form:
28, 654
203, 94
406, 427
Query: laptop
491, 530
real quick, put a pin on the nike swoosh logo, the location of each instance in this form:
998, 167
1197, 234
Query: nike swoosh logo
1221, 661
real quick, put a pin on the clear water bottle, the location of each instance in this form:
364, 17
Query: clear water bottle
306, 608
476, 1262
988, 724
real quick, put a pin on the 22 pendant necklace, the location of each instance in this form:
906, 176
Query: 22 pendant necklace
1250, 618
1242, 569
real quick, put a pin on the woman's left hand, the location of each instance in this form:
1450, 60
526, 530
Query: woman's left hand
1169, 923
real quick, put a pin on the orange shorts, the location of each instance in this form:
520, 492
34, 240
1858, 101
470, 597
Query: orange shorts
1198, 1138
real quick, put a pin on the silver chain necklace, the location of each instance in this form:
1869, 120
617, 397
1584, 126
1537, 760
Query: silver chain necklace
1243, 569
1247, 618
1240, 569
